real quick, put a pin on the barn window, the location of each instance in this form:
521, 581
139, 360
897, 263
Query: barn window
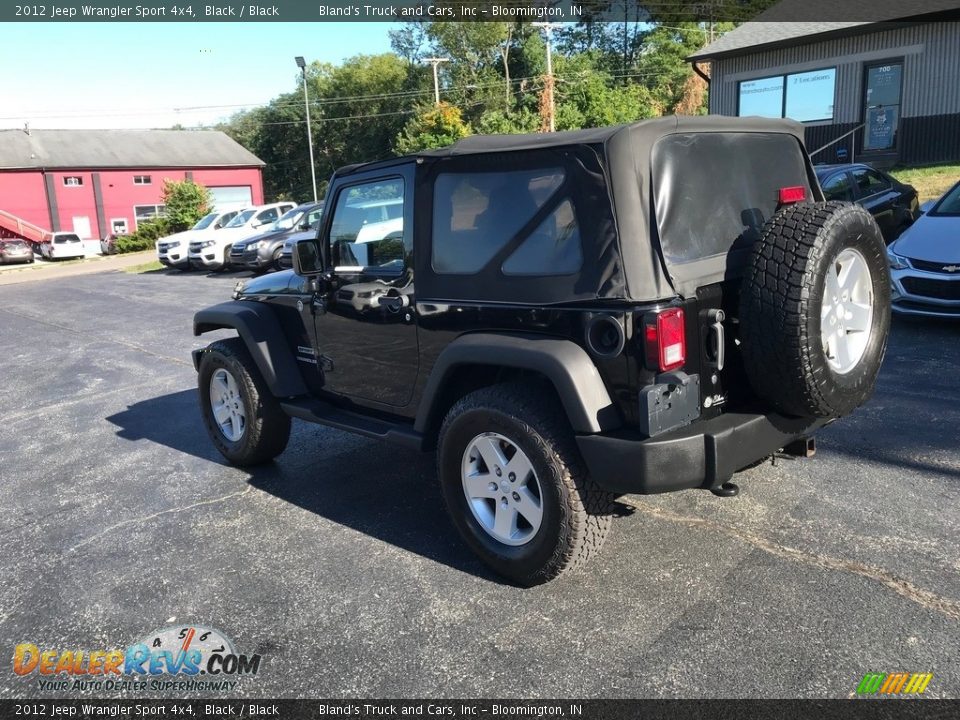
141, 180
72, 180
147, 212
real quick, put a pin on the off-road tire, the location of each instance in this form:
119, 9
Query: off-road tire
576, 512
275, 260
267, 426
780, 309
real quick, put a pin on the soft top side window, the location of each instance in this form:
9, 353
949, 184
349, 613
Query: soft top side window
475, 215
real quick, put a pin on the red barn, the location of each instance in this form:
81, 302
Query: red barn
97, 182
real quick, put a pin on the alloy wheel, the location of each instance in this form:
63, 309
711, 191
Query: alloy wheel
502, 489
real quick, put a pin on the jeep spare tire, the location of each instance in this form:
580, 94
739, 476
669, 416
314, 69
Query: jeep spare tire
815, 309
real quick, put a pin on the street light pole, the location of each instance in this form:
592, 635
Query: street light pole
435, 62
548, 28
306, 103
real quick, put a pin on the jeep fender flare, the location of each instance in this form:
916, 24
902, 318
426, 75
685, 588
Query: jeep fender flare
565, 364
258, 327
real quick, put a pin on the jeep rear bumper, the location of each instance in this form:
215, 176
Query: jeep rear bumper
704, 454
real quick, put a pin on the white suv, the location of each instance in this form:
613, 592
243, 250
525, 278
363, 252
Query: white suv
172, 250
62, 245
211, 250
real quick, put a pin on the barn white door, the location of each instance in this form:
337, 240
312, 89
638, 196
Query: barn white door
81, 226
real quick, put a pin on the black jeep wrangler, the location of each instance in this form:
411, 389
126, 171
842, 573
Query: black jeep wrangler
565, 318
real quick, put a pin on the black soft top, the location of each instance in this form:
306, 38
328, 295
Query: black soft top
644, 131
631, 256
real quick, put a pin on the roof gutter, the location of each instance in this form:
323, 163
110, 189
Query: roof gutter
698, 71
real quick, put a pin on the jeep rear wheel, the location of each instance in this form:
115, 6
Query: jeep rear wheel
815, 309
515, 486
244, 421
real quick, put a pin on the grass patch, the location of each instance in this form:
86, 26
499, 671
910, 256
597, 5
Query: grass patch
930, 182
148, 267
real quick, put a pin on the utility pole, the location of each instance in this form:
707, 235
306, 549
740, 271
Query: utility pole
435, 62
548, 28
306, 103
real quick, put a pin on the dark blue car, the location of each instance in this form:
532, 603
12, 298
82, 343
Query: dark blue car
893, 204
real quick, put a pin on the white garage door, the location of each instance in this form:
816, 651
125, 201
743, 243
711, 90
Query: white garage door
231, 197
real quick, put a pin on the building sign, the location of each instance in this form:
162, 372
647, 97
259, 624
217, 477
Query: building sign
881, 128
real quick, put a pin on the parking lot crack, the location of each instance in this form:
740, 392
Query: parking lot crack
153, 516
132, 346
901, 586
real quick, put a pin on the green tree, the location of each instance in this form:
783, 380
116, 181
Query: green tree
434, 127
186, 202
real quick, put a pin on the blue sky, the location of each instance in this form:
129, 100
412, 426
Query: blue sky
135, 75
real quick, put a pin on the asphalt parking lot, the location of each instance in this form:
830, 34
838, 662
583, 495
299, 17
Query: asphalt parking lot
338, 565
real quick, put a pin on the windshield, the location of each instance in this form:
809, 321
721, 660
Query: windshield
66, 238
241, 219
288, 219
205, 222
949, 204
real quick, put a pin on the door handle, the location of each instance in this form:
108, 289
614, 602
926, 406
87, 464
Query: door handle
393, 303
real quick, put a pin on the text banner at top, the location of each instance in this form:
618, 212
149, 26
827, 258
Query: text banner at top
561, 11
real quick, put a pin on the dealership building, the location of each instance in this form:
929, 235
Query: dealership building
98, 182
890, 90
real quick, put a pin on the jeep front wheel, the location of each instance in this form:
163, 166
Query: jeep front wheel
515, 486
244, 421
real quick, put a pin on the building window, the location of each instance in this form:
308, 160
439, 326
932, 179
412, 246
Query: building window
803, 96
763, 97
141, 180
118, 226
72, 180
147, 212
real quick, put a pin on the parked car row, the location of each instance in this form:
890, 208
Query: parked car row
58, 246
251, 238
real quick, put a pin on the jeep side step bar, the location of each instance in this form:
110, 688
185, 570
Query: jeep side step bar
323, 413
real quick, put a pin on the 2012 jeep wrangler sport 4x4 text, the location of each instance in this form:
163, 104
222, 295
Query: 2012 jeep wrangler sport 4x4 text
564, 318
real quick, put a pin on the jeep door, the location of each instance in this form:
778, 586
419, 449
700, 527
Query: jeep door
365, 312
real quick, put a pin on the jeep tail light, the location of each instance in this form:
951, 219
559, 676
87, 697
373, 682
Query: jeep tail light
791, 195
664, 339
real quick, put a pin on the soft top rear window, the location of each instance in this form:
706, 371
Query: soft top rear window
713, 192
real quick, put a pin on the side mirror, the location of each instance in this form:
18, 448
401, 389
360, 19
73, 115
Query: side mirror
303, 226
307, 258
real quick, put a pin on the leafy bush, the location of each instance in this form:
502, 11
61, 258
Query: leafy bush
145, 236
185, 202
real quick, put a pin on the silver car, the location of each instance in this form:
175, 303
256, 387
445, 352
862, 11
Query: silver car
925, 261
